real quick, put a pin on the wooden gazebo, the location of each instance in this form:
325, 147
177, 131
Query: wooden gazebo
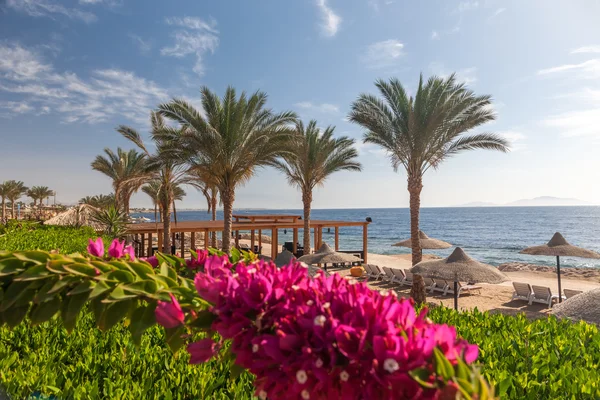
144, 232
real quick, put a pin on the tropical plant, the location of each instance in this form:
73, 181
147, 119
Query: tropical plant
99, 201
314, 156
4, 193
16, 189
420, 132
39, 193
229, 141
128, 171
113, 219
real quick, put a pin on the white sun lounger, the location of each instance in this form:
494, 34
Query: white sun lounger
429, 283
440, 285
399, 276
570, 293
376, 272
389, 275
408, 280
461, 288
522, 291
542, 294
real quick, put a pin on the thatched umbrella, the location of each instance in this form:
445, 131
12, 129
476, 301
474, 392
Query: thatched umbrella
584, 306
427, 243
326, 255
284, 258
81, 215
459, 267
558, 246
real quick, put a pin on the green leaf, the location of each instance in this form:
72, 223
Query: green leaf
71, 307
114, 313
15, 315
235, 371
443, 367
118, 276
39, 257
203, 320
33, 273
422, 375
85, 286
146, 287
10, 266
81, 269
45, 311
142, 319
118, 294
235, 255
174, 338
142, 270
100, 288
14, 292
64, 282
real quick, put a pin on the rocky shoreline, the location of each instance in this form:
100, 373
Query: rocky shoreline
571, 272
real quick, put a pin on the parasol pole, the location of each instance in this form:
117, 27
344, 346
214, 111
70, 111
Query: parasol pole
558, 273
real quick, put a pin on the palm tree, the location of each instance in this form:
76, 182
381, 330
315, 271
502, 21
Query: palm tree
15, 191
39, 193
128, 171
4, 193
419, 133
315, 156
166, 173
234, 137
102, 201
152, 189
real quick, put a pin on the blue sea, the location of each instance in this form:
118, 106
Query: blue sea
493, 235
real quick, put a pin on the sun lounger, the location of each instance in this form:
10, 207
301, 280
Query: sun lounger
522, 291
368, 272
461, 288
399, 276
389, 275
376, 272
542, 294
570, 293
408, 280
429, 283
440, 286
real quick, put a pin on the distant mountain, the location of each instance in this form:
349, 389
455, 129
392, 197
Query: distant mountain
542, 201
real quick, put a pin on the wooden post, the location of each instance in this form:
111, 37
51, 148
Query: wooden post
149, 244
173, 248
295, 239
252, 238
337, 238
365, 233
259, 240
193, 241
237, 239
273, 243
182, 238
142, 245
316, 238
160, 241
206, 239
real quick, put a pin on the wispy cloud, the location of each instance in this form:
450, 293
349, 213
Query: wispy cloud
13, 108
496, 13
46, 8
376, 4
588, 69
586, 49
576, 123
142, 45
325, 108
467, 6
466, 75
515, 138
330, 21
106, 94
383, 54
435, 35
194, 36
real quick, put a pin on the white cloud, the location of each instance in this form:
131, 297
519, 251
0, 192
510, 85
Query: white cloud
106, 94
576, 123
383, 54
588, 69
515, 138
466, 75
330, 21
325, 108
46, 8
14, 107
141, 44
376, 4
496, 13
195, 36
467, 6
435, 35
586, 49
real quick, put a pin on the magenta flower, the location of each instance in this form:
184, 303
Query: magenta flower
195, 263
202, 351
153, 261
169, 314
116, 249
96, 248
129, 251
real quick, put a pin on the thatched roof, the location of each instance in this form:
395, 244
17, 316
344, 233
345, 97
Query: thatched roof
584, 306
81, 215
326, 255
459, 267
284, 258
427, 243
558, 246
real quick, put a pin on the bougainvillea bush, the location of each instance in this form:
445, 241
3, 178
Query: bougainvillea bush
302, 337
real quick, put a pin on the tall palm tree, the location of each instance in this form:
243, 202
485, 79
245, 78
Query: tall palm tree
420, 132
152, 189
166, 173
102, 201
315, 156
15, 191
232, 139
128, 171
211, 193
4, 193
39, 193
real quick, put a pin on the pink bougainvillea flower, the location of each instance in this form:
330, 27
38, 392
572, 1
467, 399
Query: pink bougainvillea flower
116, 249
96, 247
202, 351
197, 262
129, 251
150, 260
169, 314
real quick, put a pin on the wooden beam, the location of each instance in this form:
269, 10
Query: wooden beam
193, 241
365, 240
142, 245
259, 240
295, 240
337, 238
149, 244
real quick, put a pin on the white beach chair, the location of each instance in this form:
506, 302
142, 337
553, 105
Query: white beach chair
369, 271
389, 275
376, 272
461, 288
522, 291
429, 283
543, 295
408, 280
570, 293
439, 286
399, 276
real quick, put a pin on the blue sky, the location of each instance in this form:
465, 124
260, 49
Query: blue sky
71, 71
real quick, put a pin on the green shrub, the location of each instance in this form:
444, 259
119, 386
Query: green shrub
33, 236
90, 364
542, 359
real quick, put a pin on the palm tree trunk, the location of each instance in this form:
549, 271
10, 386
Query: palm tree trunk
166, 220
228, 197
213, 207
12, 209
415, 185
3, 208
307, 201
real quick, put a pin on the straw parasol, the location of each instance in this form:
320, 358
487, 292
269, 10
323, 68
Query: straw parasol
459, 267
426, 243
584, 306
81, 215
558, 246
284, 258
326, 255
